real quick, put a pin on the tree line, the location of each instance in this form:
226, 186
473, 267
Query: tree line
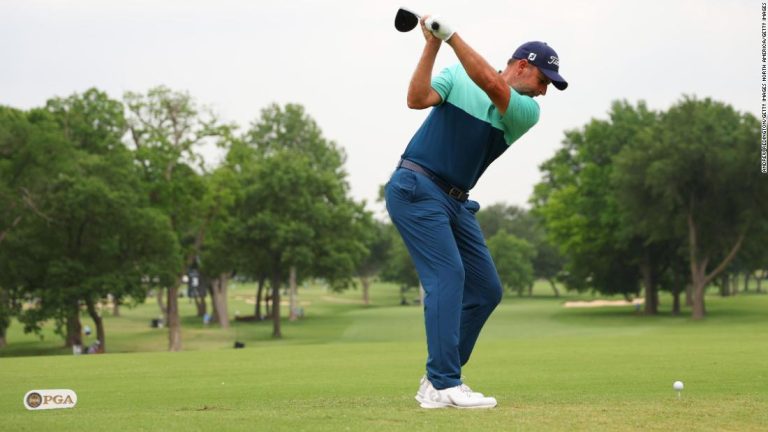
658, 200
113, 199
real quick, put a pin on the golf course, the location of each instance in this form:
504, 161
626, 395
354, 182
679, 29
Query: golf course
346, 366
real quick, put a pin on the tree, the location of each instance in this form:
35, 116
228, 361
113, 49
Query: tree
167, 129
98, 236
294, 208
399, 267
695, 183
548, 263
579, 210
379, 244
497, 217
220, 257
32, 152
513, 258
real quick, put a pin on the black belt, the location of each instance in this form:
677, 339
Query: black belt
448, 188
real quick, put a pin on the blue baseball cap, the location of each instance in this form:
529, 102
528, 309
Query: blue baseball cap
543, 57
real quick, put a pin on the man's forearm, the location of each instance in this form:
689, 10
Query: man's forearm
481, 72
421, 81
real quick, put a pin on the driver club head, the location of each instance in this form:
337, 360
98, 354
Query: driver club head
406, 20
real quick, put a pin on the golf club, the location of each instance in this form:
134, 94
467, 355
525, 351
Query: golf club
406, 20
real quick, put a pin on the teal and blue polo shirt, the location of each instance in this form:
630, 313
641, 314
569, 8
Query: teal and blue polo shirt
465, 133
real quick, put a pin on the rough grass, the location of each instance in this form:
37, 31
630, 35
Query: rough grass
349, 367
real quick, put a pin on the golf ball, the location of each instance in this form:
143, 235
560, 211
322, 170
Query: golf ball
678, 385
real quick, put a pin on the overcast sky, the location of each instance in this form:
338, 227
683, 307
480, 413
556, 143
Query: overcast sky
344, 61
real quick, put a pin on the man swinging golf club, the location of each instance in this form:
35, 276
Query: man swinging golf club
478, 113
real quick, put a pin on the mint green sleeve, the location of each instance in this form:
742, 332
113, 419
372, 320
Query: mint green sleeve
443, 82
522, 113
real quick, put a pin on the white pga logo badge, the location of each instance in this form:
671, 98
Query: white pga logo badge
49, 399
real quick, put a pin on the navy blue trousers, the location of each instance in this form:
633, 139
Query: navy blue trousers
460, 281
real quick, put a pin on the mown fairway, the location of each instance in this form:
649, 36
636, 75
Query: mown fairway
347, 367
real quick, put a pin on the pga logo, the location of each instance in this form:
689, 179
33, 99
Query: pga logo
49, 399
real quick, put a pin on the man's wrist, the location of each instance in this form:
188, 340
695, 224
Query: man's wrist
452, 41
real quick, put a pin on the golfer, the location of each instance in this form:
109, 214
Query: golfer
478, 113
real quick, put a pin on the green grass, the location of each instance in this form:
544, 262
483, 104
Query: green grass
349, 367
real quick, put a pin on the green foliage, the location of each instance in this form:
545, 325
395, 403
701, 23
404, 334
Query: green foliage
89, 231
513, 258
650, 194
512, 219
579, 210
92, 121
379, 245
293, 207
699, 162
547, 262
289, 128
288, 206
695, 186
399, 267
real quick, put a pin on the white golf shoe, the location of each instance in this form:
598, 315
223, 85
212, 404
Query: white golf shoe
424, 385
460, 396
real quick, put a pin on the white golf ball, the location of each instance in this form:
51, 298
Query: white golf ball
678, 385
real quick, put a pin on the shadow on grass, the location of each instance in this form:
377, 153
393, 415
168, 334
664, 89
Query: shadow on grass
28, 349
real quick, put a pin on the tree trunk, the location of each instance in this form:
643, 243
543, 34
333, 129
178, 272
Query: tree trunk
747, 276
74, 327
163, 308
689, 295
174, 323
725, 285
99, 321
259, 291
276, 333
676, 301
116, 301
292, 290
676, 293
215, 312
698, 271
200, 304
554, 287
651, 299
699, 277
220, 285
366, 281
698, 310
530, 290
268, 303
5, 318
421, 294
199, 284
760, 281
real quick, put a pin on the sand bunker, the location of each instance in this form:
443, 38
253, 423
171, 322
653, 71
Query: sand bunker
602, 303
